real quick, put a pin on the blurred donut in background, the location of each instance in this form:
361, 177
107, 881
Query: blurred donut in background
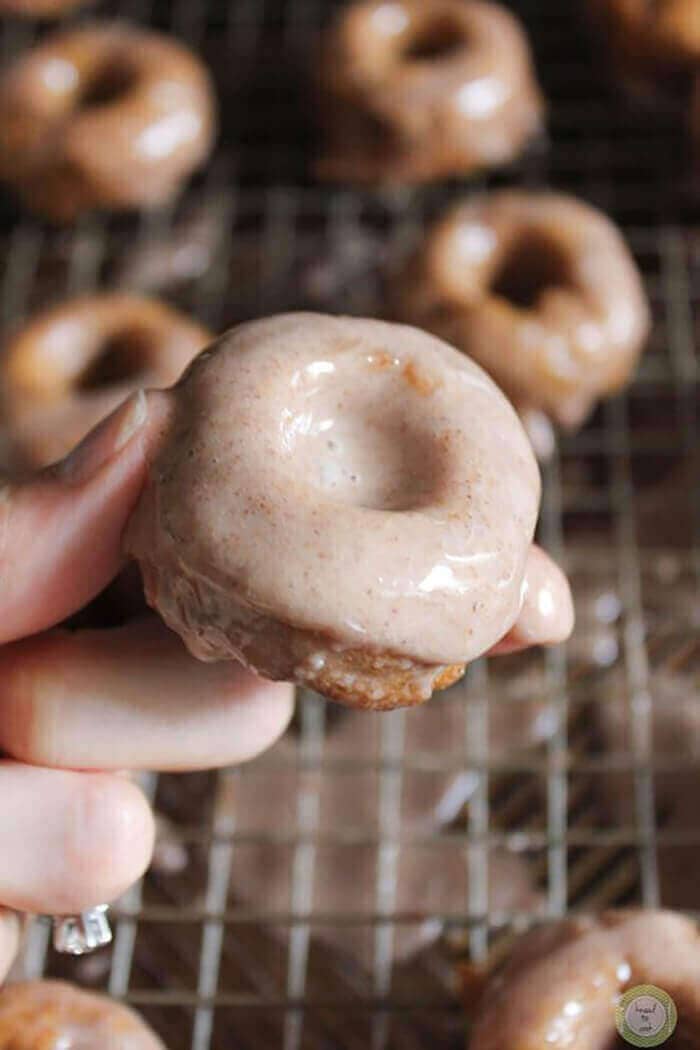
431, 874
540, 290
46, 1015
563, 980
70, 366
413, 90
40, 8
105, 116
654, 41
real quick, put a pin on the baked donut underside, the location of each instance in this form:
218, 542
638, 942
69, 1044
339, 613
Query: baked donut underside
358, 677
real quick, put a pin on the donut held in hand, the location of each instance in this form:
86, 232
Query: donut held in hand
346, 504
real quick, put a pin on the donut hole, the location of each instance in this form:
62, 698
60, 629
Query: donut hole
109, 83
122, 359
438, 39
535, 264
366, 447
368, 132
388, 466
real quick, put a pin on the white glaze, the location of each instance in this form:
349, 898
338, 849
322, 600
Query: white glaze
350, 477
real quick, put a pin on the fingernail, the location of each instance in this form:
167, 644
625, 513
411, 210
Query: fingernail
106, 440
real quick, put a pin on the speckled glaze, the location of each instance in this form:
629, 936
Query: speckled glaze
52, 1015
563, 981
418, 89
47, 407
106, 116
339, 502
567, 324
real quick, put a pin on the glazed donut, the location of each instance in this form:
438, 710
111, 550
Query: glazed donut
48, 1015
40, 8
108, 116
413, 90
656, 39
563, 981
540, 290
73, 364
346, 504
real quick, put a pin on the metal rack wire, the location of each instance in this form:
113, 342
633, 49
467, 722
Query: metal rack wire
593, 813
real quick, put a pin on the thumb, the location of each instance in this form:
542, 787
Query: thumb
60, 531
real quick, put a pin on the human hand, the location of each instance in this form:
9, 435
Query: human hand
96, 701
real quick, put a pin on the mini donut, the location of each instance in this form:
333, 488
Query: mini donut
346, 504
413, 90
655, 40
40, 8
72, 365
563, 981
48, 1015
540, 290
107, 116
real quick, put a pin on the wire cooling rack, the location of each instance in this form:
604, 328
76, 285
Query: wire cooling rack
571, 766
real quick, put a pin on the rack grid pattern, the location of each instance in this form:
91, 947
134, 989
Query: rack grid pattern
571, 764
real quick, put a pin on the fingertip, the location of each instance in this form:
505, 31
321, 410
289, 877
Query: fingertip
562, 625
251, 714
109, 841
547, 615
275, 705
